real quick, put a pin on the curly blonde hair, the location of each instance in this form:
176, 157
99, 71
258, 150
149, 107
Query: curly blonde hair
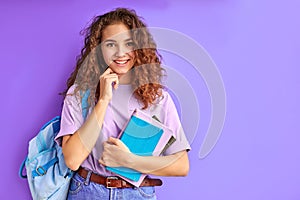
147, 70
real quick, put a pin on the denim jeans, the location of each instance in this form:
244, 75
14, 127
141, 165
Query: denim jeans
81, 188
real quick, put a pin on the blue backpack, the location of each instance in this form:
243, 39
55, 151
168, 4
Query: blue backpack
46, 171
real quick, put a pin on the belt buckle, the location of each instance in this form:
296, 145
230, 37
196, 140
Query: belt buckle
108, 179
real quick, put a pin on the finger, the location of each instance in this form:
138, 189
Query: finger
113, 80
110, 80
105, 146
119, 144
113, 75
107, 71
116, 84
116, 141
113, 140
101, 161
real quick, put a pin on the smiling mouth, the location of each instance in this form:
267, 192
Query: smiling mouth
121, 62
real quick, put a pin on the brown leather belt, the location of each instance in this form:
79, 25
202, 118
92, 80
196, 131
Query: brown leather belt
116, 182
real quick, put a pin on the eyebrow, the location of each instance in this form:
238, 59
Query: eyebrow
111, 40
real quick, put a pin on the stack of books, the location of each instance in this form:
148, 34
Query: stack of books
145, 136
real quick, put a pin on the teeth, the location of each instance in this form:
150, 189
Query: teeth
120, 62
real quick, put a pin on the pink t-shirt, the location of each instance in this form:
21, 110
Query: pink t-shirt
118, 112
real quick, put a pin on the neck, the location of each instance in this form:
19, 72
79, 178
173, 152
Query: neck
125, 78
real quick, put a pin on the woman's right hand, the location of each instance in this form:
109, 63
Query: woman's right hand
108, 80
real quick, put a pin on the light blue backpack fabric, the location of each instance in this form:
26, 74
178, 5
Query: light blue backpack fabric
46, 171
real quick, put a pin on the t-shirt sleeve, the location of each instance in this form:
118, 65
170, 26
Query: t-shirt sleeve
71, 116
173, 122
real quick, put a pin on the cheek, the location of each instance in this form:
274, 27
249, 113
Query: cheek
107, 55
132, 55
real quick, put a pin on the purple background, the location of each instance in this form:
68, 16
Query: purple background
255, 45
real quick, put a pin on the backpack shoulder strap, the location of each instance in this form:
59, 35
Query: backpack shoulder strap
84, 103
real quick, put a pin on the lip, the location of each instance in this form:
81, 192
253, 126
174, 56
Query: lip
122, 62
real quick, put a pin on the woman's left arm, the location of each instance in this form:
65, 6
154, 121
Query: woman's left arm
116, 154
171, 165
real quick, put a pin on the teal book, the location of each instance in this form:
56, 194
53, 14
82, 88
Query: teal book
144, 136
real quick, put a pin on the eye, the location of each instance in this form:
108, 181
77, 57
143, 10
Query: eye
110, 44
130, 44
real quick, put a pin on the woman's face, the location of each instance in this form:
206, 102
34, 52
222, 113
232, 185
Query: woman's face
117, 48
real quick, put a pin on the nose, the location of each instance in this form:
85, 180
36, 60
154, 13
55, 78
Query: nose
121, 50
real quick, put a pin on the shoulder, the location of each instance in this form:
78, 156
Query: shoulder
166, 98
71, 90
72, 95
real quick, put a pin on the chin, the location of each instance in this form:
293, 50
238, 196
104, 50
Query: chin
120, 71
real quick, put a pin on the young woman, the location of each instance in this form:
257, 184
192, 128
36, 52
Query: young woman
119, 70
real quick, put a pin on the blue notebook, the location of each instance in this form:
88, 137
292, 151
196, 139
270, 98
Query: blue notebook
143, 136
